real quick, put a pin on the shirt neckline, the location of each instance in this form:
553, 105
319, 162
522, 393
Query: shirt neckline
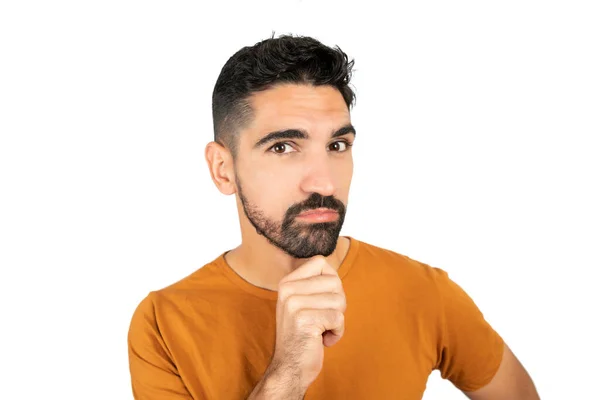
240, 282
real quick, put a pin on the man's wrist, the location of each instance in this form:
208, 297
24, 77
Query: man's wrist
277, 386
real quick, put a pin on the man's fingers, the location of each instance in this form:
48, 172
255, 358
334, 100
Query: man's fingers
315, 266
321, 301
314, 284
320, 321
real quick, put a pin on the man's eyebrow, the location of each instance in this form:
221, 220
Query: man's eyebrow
299, 134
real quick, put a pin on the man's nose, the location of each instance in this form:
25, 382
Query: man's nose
318, 177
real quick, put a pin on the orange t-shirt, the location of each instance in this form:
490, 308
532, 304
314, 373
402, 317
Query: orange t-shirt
211, 335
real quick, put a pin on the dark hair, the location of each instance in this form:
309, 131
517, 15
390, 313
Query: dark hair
286, 59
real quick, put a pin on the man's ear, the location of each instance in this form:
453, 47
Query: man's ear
220, 165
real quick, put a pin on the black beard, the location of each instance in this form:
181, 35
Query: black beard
299, 240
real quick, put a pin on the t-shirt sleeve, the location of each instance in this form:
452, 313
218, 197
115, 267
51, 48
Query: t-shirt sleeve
154, 376
469, 349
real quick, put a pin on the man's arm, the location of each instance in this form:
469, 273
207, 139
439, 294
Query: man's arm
154, 376
472, 355
510, 382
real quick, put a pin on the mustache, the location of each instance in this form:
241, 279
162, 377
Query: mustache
317, 201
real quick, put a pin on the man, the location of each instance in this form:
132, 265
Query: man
297, 311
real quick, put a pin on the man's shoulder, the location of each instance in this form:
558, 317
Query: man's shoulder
205, 276
201, 288
392, 276
196, 284
399, 262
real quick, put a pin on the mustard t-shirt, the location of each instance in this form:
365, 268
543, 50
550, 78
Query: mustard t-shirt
211, 335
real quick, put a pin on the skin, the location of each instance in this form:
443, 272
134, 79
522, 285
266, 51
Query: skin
274, 182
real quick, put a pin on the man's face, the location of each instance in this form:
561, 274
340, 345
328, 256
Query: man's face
294, 157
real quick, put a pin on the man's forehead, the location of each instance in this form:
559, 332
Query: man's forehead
290, 98
303, 107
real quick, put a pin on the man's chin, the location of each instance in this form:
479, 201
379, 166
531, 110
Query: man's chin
315, 245
304, 256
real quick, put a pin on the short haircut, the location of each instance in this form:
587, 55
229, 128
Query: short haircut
286, 59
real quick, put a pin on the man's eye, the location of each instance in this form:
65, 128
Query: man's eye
340, 148
279, 148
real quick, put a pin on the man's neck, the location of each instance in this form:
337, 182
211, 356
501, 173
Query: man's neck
264, 265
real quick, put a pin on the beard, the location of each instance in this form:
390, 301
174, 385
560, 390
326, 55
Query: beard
298, 239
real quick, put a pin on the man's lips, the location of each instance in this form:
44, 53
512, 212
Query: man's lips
319, 215
321, 210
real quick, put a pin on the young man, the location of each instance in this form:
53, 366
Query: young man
297, 311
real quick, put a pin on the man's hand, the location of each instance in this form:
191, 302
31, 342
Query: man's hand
310, 315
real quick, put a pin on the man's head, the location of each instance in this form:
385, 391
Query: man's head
282, 137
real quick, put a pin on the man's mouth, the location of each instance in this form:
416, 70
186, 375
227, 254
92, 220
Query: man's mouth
319, 215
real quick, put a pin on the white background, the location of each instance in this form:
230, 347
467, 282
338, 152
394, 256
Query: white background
477, 152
